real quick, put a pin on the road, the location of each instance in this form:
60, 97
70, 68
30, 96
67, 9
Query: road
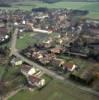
56, 76
13, 42
15, 52
48, 72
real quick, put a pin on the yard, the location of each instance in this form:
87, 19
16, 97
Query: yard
82, 63
29, 38
25, 40
2, 70
11, 78
55, 90
11, 74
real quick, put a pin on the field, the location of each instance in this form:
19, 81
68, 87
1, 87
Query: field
93, 8
2, 70
69, 5
25, 40
29, 38
82, 63
55, 90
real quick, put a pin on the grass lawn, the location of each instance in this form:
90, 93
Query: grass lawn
93, 15
11, 77
82, 63
47, 78
10, 73
25, 41
29, 38
2, 70
55, 90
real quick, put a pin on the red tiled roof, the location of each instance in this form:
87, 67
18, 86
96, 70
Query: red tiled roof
56, 50
33, 79
25, 68
68, 65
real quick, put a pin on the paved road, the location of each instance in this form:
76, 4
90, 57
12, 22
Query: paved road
13, 41
51, 73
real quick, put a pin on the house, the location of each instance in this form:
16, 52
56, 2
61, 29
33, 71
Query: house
28, 70
33, 76
57, 62
25, 69
42, 17
34, 81
16, 24
50, 40
48, 45
41, 31
23, 22
46, 59
69, 67
4, 36
32, 71
16, 61
56, 50
37, 55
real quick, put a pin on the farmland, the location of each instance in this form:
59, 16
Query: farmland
55, 90
91, 7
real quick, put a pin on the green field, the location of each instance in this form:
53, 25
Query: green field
55, 90
25, 41
69, 5
93, 8
2, 70
30, 38
93, 15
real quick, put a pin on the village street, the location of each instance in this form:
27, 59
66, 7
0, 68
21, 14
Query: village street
13, 41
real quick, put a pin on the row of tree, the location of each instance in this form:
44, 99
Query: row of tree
5, 5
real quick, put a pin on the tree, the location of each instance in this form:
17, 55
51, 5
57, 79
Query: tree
5, 22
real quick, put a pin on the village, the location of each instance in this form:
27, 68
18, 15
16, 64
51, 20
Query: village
63, 45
